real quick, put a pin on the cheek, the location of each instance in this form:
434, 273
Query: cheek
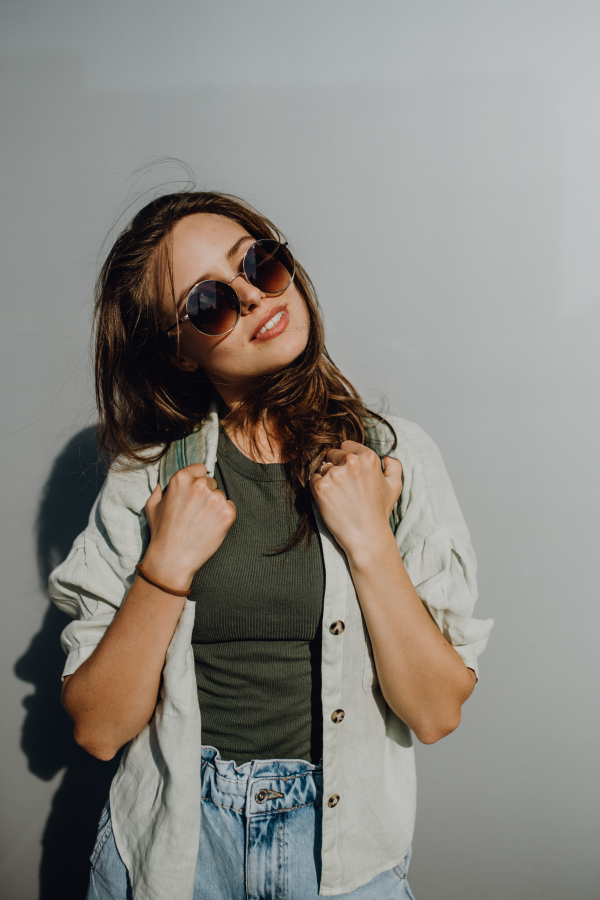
304, 319
217, 355
192, 345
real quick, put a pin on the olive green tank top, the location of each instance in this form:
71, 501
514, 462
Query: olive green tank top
257, 632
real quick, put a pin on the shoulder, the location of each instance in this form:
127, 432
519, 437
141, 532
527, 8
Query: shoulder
103, 556
120, 507
117, 522
129, 483
427, 492
417, 446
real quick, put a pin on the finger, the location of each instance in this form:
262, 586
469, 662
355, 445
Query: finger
154, 498
337, 457
324, 468
393, 474
211, 482
356, 448
197, 470
315, 479
151, 504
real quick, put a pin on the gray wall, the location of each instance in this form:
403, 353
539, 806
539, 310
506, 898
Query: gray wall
436, 166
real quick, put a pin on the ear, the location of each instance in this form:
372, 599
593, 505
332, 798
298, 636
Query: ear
183, 363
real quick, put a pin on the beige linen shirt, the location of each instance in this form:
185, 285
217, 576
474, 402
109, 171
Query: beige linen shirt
368, 759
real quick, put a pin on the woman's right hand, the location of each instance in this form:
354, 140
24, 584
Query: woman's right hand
187, 525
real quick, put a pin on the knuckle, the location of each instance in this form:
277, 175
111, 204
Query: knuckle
179, 480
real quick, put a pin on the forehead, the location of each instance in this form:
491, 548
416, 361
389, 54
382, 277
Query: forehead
203, 238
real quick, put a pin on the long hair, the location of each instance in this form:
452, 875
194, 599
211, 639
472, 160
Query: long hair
145, 402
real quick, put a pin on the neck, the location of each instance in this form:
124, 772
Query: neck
267, 448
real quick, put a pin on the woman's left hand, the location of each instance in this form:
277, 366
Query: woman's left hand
355, 497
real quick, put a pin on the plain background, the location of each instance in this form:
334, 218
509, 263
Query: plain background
436, 166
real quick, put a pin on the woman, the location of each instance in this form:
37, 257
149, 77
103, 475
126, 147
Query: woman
274, 581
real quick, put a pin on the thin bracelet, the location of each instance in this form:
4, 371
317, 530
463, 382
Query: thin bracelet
162, 587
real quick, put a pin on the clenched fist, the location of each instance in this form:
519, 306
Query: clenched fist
355, 498
188, 523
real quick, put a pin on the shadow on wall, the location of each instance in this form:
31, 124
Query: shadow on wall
47, 740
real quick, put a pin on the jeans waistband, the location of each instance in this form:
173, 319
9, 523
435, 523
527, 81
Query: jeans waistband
261, 786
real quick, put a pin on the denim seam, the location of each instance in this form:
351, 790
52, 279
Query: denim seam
281, 857
224, 777
260, 777
282, 777
106, 832
275, 812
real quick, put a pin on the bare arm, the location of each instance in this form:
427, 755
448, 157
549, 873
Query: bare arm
422, 677
113, 694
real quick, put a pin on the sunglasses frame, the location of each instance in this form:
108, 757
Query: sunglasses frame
242, 272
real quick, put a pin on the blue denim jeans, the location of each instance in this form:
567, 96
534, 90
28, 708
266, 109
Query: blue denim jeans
260, 838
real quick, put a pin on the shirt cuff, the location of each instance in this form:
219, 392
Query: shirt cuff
76, 658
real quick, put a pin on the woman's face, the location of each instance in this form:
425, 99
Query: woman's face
206, 246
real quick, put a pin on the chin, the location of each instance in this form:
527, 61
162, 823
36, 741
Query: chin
285, 358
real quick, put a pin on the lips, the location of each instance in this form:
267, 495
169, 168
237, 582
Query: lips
272, 323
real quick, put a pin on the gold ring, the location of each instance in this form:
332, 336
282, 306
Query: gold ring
324, 463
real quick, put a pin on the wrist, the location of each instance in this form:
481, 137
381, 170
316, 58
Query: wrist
167, 570
372, 552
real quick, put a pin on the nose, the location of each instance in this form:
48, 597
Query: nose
250, 296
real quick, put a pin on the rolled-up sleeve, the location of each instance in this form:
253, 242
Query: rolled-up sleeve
93, 580
450, 594
435, 544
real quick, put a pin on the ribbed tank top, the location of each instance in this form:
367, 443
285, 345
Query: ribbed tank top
257, 631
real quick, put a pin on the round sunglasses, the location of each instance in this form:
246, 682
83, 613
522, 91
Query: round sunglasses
214, 308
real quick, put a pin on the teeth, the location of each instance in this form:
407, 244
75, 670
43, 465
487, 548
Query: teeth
271, 323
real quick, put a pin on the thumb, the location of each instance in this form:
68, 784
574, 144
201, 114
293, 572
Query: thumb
151, 504
392, 470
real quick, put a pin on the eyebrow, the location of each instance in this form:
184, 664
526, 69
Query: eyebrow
230, 254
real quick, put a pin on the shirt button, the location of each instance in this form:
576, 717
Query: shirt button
337, 716
337, 627
333, 800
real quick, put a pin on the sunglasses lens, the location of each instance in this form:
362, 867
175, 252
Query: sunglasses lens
213, 307
269, 266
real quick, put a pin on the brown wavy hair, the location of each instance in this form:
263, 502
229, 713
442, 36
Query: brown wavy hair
145, 402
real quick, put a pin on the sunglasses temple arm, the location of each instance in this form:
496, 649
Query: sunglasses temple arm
185, 318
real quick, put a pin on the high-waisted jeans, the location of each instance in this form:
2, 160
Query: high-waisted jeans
260, 838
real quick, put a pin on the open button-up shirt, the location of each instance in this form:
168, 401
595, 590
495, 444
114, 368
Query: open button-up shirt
368, 759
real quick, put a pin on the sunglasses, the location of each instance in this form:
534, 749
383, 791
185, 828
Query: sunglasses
214, 308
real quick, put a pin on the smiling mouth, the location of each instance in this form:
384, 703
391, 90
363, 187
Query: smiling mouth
271, 323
